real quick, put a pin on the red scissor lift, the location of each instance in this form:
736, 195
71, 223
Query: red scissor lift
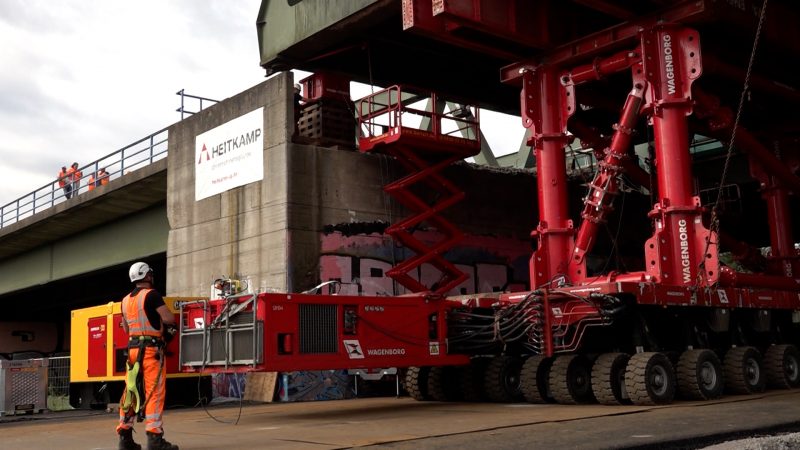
425, 134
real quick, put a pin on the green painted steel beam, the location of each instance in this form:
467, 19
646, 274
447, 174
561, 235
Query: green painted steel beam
136, 236
282, 24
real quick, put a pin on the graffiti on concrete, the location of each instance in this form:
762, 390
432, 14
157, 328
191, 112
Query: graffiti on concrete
227, 386
312, 385
360, 263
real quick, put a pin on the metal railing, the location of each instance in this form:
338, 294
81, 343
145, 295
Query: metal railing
132, 157
388, 111
184, 96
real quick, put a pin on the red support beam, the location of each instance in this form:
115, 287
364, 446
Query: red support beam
681, 251
545, 110
611, 39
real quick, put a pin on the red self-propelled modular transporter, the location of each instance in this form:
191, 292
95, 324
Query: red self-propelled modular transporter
287, 332
677, 322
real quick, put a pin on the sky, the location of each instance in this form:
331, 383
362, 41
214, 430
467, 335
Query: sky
81, 79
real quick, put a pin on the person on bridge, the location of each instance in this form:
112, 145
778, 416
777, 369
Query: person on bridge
63, 183
102, 177
75, 175
98, 179
150, 326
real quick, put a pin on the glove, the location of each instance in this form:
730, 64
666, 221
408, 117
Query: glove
170, 330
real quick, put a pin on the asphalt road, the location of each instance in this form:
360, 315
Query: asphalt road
405, 423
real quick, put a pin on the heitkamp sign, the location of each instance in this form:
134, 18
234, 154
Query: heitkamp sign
229, 155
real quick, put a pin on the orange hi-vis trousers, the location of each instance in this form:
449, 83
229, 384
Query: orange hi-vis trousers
153, 368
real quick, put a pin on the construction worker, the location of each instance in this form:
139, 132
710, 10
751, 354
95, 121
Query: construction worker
299, 101
150, 325
69, 179
102, 177
75, 175
98, 179
63, 183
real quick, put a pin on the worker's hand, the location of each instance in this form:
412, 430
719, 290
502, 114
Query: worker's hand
170, 330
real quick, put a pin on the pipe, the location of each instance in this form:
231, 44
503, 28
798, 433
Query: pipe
598, 144
600, 68
730, 278
602, 190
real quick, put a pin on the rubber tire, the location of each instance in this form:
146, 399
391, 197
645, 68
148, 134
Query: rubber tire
471, 380
443, 384
571, 380
502, 379
740, 380
608, 379
535, 379
640, 376
782, 366
691, 384
416, 382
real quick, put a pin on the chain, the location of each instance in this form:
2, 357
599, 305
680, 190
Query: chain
714, 225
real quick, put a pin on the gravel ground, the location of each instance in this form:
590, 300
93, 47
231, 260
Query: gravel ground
789, 441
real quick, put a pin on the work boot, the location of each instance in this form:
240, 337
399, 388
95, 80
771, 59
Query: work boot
126, 440
156, 441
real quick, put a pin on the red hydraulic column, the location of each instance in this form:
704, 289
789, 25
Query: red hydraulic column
604, 187
780, 227
679, 252
545, 109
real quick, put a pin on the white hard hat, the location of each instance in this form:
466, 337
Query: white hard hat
138, 271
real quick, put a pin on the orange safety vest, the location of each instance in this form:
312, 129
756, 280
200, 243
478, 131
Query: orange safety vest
133, 313
104, 179
61, 180
70, 173
91, 182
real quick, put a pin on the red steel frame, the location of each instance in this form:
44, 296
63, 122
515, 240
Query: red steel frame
682, 267
681, 257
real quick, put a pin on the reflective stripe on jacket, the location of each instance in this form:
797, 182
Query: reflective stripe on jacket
133, 313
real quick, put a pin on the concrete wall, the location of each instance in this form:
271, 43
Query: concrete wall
280, 232
341, 192
240, 231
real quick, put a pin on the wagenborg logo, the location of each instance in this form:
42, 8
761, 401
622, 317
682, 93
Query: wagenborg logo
683, 237
353, 349
669, 67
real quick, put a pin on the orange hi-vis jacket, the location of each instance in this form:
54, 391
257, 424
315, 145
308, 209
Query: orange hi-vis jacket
62, 180
133, 313
152, 368
91, 182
